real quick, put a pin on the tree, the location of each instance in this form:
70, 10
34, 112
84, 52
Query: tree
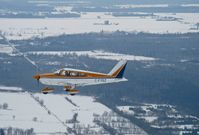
34, 119
5, 106
197, 26
74, 119
2, 132
13, 117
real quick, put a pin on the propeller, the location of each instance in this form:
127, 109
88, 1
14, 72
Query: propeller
37, 77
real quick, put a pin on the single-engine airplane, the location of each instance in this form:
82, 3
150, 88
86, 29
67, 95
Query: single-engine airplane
71, 78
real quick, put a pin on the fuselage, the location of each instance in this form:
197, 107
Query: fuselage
67, 77
79, 81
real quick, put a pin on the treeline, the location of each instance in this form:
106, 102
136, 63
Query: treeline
16, 131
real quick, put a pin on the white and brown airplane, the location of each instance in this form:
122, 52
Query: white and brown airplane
71, 78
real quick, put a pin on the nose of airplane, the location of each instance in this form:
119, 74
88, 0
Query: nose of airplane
37, 77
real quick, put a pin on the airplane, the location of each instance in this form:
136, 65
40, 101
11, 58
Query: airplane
70, 78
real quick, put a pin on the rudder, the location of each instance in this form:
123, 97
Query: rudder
118, 70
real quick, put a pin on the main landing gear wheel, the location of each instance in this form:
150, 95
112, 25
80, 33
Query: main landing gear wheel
46, 90
72, 92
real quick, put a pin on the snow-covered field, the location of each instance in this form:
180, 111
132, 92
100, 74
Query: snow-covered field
5, 49
150, 113
97, 54
126, 110
52, 113
129, 110
22, 110
154, 5
89, 22
85, 107
11, 88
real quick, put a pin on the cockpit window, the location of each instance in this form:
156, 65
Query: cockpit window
71, 73
57, 72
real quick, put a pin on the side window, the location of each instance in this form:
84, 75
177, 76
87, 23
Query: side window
82, 74
61, 72
73, 73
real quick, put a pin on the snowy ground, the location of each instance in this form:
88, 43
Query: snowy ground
95, 22
22, 109
97, 54
5, 49
10, 88
150, 113
85, 107
50, 113
154, 5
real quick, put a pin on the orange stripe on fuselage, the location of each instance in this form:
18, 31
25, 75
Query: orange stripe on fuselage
87, 75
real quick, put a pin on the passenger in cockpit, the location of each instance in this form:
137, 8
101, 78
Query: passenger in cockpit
67, 73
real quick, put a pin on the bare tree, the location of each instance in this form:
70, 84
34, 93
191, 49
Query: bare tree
5, 106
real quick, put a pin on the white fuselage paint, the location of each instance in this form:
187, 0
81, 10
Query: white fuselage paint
80, 81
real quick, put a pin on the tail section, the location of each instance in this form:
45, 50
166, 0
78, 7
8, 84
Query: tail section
119, 69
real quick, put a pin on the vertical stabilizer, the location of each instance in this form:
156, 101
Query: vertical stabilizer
118, 69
